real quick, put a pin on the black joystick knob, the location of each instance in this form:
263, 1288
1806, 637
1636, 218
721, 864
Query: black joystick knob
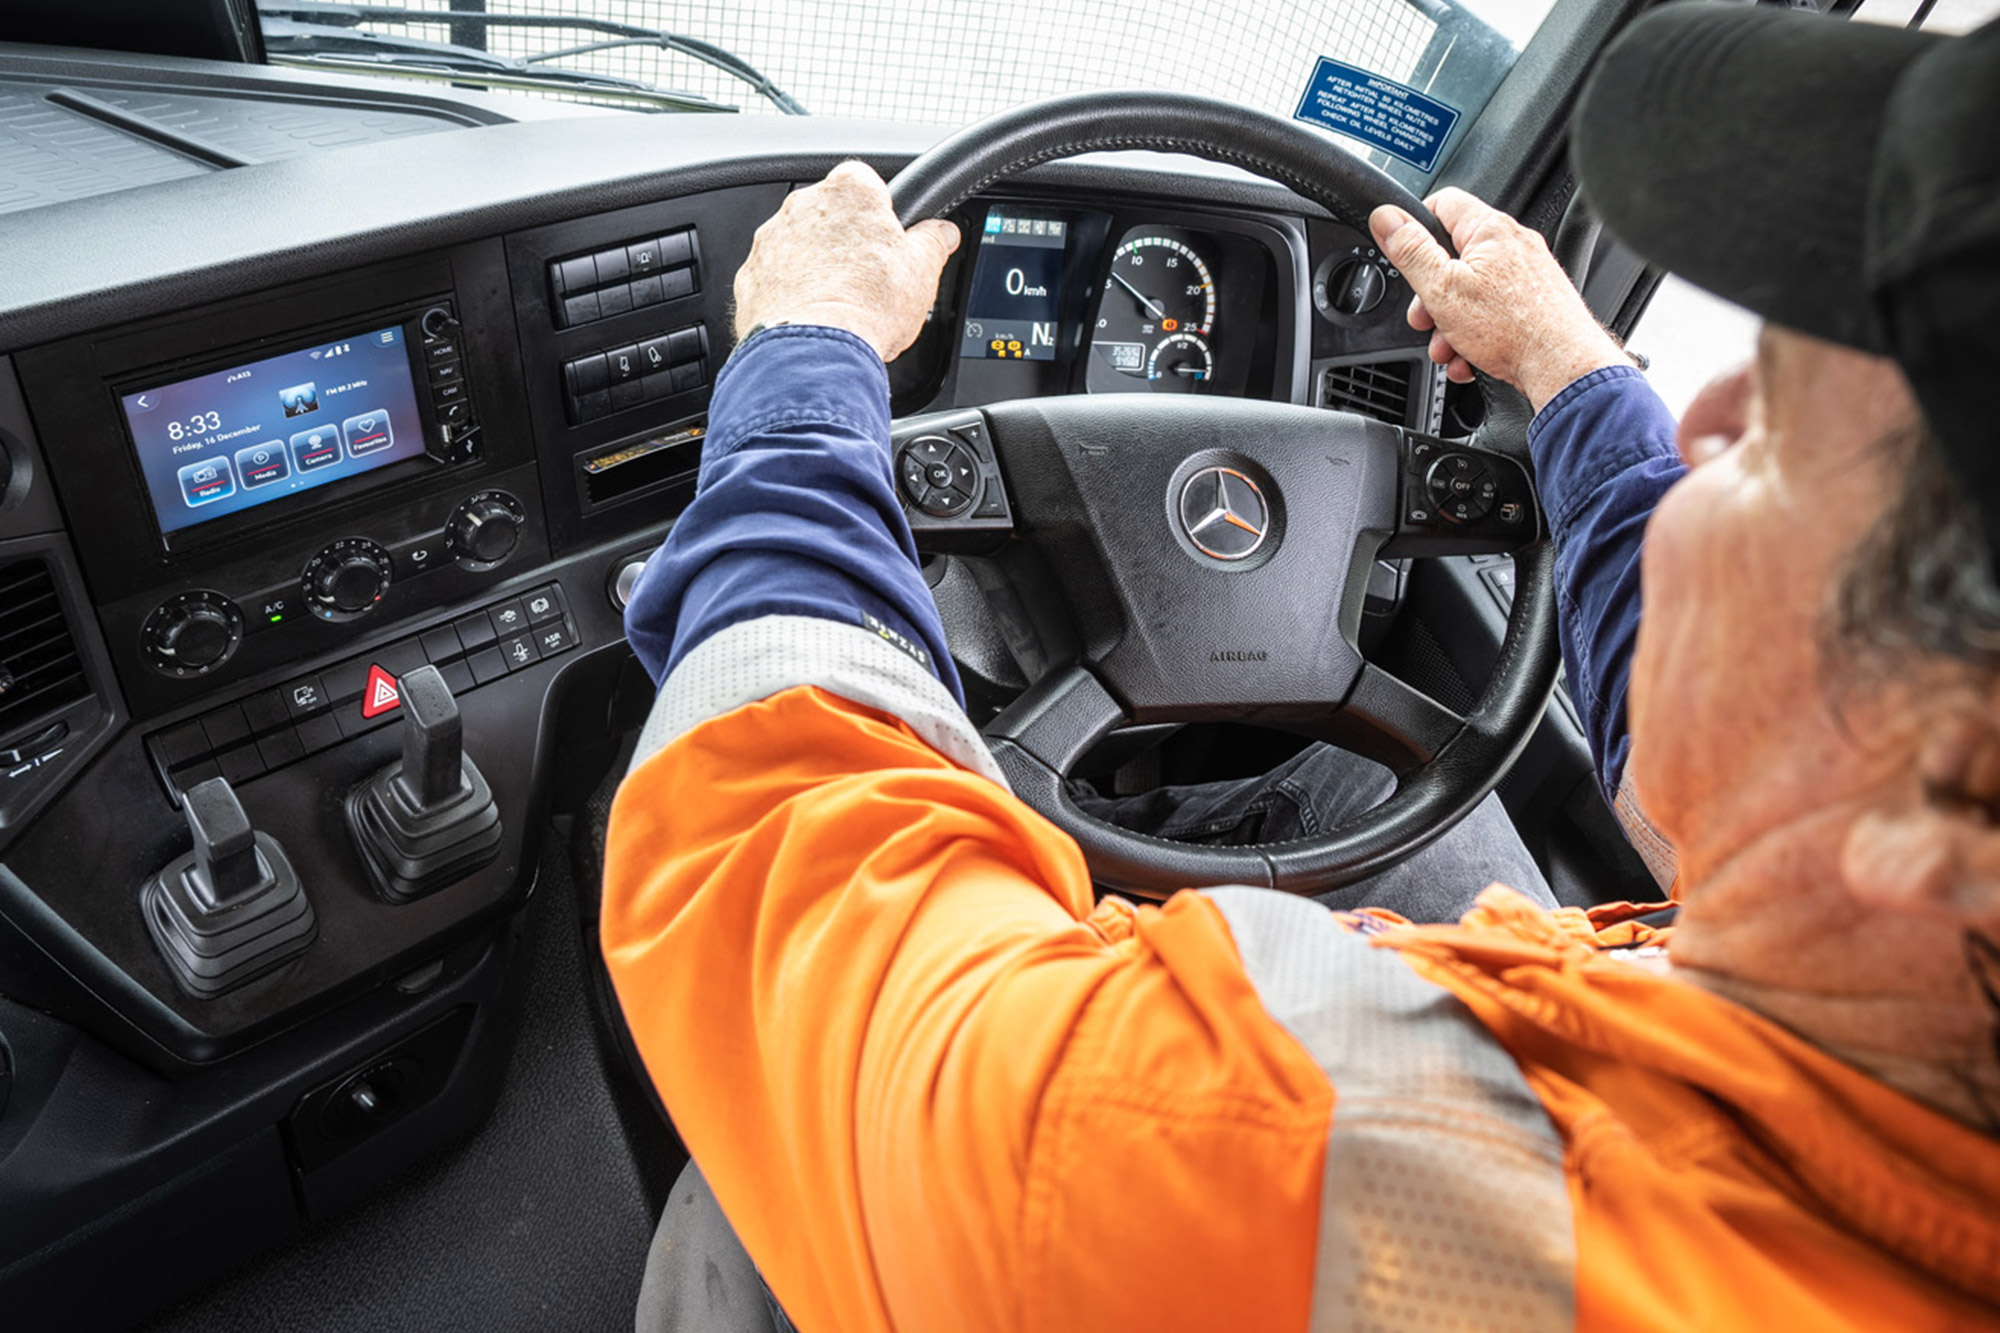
232, 909
429, 819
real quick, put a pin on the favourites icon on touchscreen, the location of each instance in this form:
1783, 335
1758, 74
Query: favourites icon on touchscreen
206, 480
299, 399
316, 448
262, 464
368, 433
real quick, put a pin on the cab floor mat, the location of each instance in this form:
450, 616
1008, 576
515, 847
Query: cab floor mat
539, 1221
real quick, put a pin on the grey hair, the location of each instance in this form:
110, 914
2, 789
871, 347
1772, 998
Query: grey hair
1921, 581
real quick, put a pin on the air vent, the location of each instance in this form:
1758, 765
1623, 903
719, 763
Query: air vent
1379, 389
39, 667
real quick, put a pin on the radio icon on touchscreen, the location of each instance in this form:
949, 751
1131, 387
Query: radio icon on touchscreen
206, 480
368, 432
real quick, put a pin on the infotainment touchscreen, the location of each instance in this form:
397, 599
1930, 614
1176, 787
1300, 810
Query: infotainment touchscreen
233, 439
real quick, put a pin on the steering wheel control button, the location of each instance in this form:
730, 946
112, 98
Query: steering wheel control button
347, 579
191, 634
1462, 487
939, 475
1224, 514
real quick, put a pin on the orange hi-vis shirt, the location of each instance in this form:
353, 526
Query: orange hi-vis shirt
935, 1085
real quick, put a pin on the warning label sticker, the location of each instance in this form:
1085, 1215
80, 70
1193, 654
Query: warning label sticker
1391, 116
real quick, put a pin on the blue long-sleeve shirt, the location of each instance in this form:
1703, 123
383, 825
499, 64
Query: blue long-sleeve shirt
796, 513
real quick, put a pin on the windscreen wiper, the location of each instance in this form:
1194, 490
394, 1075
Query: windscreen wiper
345, 50
345, 19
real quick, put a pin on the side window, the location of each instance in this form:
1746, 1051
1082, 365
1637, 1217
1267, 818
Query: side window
1689, 337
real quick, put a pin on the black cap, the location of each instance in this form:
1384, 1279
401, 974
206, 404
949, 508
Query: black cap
1838, 178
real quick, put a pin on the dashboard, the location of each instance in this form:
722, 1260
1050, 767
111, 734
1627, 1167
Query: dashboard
273, 439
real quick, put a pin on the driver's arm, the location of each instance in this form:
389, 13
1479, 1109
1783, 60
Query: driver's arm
931, 1085
1603, 442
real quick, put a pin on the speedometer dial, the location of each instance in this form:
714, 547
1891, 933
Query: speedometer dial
1157, 306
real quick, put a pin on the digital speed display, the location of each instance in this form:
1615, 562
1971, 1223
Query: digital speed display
1011, 314
233, 439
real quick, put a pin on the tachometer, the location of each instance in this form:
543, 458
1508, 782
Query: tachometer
1155, 312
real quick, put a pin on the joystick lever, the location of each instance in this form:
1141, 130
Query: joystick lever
232, 908
429, 819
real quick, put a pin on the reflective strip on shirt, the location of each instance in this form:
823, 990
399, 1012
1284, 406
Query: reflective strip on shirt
759, 658
1444, 1201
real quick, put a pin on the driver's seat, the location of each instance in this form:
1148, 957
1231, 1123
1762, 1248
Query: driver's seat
699, 1278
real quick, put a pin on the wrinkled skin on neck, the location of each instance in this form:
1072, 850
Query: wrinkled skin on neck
1834, 819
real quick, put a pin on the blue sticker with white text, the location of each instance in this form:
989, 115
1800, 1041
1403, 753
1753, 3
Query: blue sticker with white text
1391, 116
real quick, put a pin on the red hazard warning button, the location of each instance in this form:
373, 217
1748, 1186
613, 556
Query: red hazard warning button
380, 694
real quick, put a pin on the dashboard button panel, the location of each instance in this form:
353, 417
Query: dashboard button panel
629, 374
247, 738
644, 271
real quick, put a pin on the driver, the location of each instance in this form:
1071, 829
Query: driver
935, 1084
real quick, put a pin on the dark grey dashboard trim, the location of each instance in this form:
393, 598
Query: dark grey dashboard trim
105, 260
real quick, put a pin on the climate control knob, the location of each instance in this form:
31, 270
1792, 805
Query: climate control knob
192, 633
483, 531
347, 579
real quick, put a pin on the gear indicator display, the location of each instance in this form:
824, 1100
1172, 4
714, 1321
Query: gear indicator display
1012, 313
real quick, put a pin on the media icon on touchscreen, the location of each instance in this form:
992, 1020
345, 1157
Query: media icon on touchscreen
299, 399
368, 433
316, 448
206, 480
262, 464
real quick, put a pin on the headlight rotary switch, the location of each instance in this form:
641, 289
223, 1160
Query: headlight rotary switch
347, 579
192, 633
483, 531
939, 476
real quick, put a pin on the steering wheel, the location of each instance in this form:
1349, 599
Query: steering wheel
1215, 552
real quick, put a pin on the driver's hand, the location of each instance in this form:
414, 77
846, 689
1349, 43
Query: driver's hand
1504, 305
835, 255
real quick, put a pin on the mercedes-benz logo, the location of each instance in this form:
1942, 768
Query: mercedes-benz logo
1224, 513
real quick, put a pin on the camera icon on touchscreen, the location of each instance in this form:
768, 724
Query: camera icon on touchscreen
316, 448
299, 399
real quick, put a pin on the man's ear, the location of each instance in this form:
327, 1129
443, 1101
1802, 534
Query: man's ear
1933, 845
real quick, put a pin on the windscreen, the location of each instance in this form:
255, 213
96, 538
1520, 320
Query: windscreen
1396, 80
